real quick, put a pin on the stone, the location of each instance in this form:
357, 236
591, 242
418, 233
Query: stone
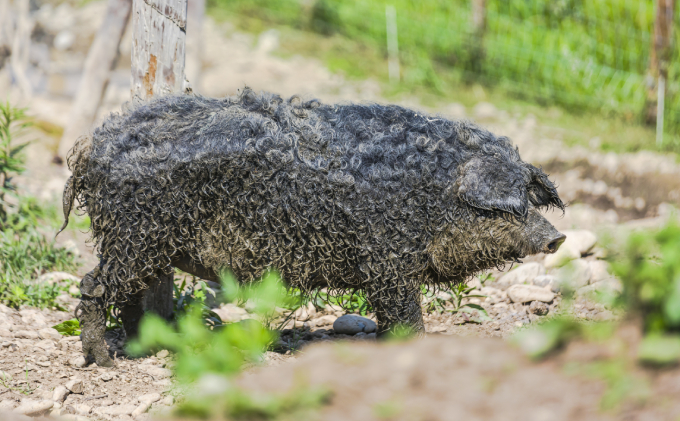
142, 408
485, 111
34, 408
57, 277
565, 254
168, 400
49, 333
523, 274
115, 410
46, 345
149, 398
599, 271
5, 333
75, 385
230, 313
156, 372
538, 308
162, 353
603, 316
305, 313
59, 393
351, 324
574, 275
581, 240
82, 409
26, 334
33, 318
325, 320
609, 287
107, 376
528, 293
79, 362
544, 281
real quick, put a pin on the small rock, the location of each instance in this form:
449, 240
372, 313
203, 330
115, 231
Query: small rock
156, 372
522, 274
26, 334
46, 345
305, 313
599, 271
544, 281
610, 287
168, 400
49, 333
5, 333
351, 324
106, 402
527, 293
142, 408
538, 308
82, 409
57, 277
43, 363
59, 394
325, 320
603, 316
162, 353
565, 254
42, 394
115, 410
75, 385
485, 111
230, 313
107, 376
582, 240
78, 362
574, 275
34, 408
149, 398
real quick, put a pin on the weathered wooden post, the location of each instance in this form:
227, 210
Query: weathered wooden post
158, 54
658, 65
101, 58
478, 29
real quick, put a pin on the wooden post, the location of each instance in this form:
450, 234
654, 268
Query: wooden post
658, 63
158, 55
158, 40
101, 58
478, 29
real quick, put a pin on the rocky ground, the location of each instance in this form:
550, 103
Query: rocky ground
44, 373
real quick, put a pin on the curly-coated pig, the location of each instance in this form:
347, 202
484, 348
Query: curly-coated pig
377, 198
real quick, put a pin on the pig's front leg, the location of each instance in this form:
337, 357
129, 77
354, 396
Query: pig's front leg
397, 308
91, 312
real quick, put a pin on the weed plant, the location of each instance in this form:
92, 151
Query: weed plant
207, 357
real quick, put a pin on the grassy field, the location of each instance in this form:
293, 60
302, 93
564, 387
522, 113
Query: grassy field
572, 63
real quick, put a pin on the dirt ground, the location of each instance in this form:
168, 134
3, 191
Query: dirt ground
464, 369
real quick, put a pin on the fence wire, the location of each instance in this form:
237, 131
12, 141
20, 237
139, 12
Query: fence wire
582, 54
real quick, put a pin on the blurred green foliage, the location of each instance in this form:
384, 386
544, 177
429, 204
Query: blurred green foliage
25, 252
208, 357
68, 328
583, 55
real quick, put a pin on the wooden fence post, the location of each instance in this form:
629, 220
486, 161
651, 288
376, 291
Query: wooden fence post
658, 63
478, 29
158, 56
101, 58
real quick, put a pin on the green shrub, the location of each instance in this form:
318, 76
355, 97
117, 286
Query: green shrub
205, 352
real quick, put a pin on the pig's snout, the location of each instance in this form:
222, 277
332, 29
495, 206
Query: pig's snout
555, 243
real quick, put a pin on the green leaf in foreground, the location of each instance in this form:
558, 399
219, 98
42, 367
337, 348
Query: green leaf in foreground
660, 349
68, 328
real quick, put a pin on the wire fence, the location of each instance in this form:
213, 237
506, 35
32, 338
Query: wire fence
589, 55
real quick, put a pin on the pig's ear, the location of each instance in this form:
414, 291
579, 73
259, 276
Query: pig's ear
493, 184
542, 191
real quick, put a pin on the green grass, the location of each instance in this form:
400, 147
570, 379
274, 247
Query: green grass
575, 65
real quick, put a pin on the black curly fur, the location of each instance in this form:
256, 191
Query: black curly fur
375, 197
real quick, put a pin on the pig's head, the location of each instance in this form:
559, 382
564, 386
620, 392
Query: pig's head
496, 219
